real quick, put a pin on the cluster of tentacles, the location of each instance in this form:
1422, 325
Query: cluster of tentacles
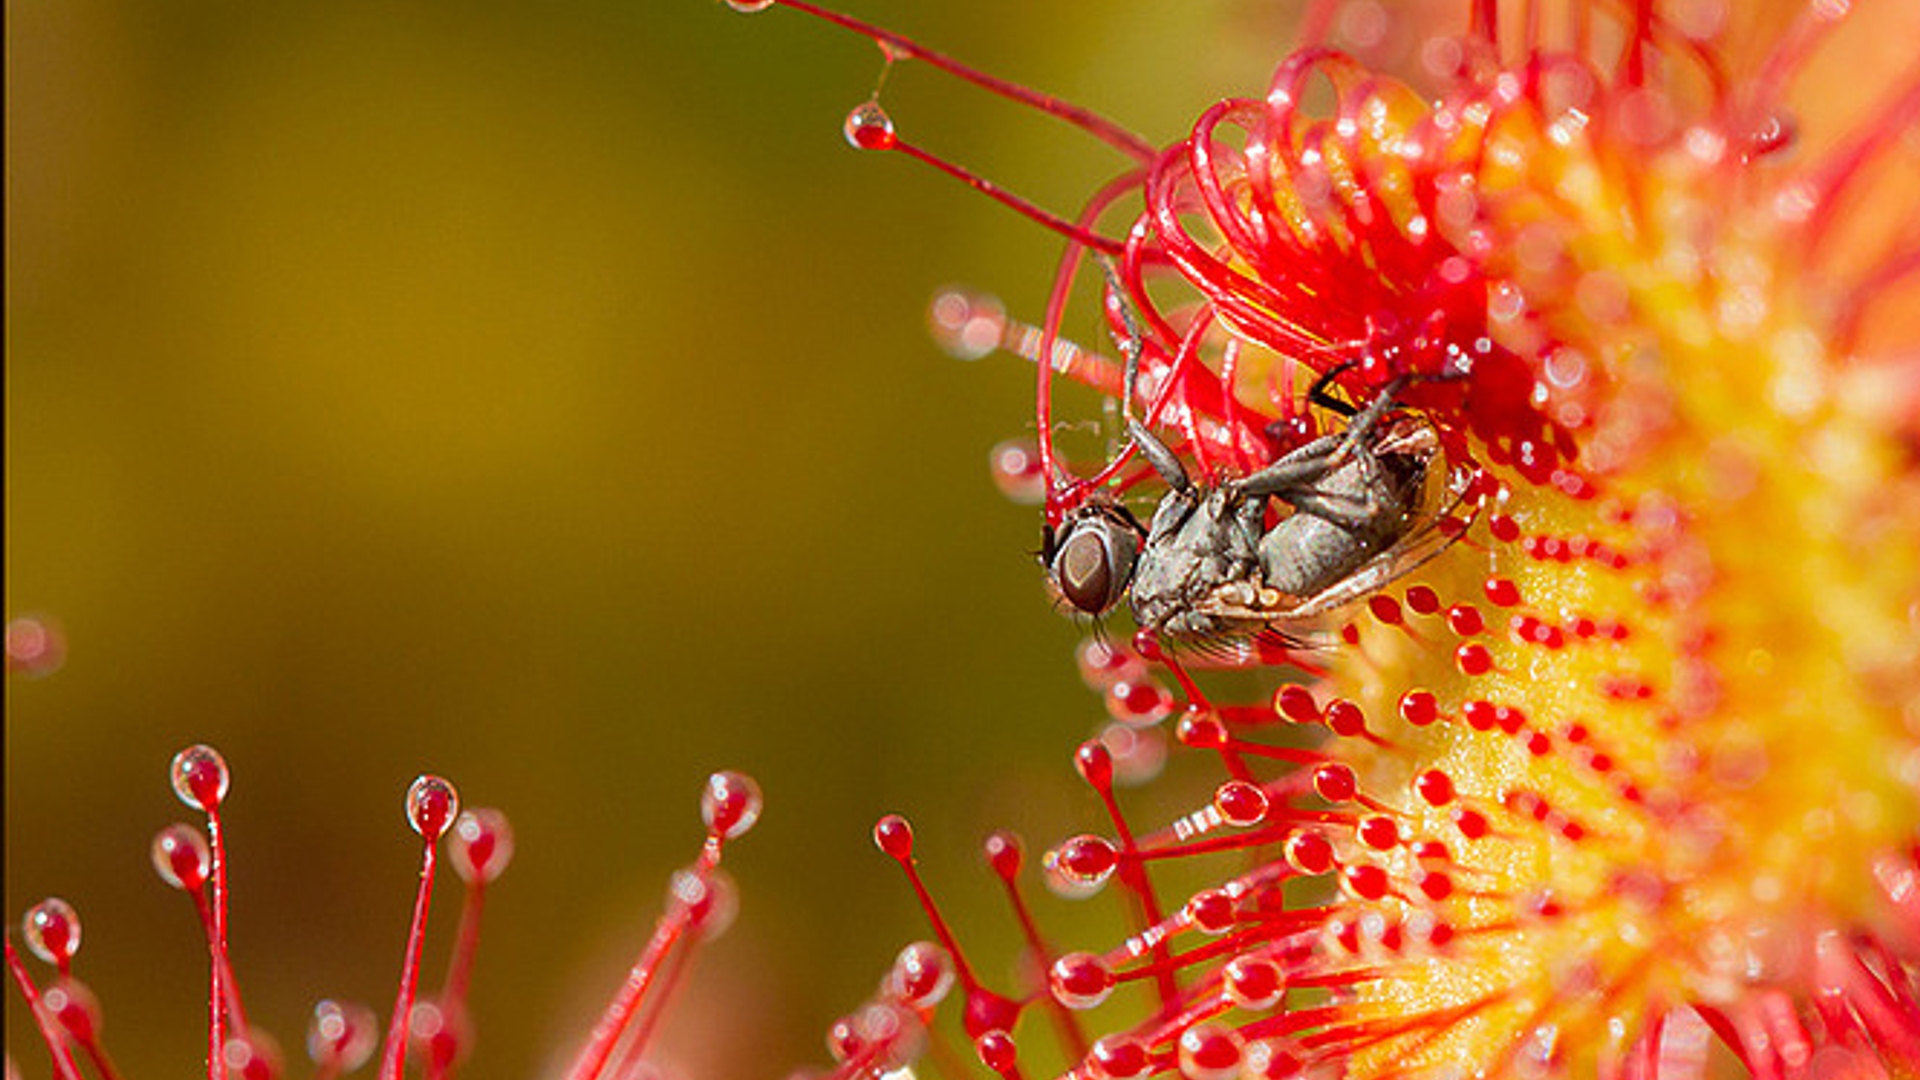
1627, 781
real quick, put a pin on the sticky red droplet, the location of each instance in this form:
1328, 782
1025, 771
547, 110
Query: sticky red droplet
1386, 609
1435, 787
1295, 702
1473, 659
1502, 591
1345, 719
1335, 783
1464, 620
1418, 707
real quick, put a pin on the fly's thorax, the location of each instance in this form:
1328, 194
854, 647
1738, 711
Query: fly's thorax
1195, 545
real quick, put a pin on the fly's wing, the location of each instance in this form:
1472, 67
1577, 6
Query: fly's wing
1231, 625
1408, 435
1251, 634
1438, 530
1267, 646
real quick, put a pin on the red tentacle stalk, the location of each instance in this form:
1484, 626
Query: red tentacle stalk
668, 933
200, 780
1096, 767
1005, 856
901, 47
432, 806
1058, 501
985, 1010
701, 905
50, 1033
891, 140
1826, 186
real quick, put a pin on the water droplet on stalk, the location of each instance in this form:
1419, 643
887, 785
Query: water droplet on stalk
51, 929
181, 857
967, 324
200, 777
921, 975
710, 902
1080, 980
1085, 861
432, 804
342, 1036
730, 805
1210, 1052
482, 845
868, 127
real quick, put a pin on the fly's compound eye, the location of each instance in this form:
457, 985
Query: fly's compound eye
1093, 563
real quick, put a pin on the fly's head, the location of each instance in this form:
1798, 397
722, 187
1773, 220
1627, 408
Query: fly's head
1090, 558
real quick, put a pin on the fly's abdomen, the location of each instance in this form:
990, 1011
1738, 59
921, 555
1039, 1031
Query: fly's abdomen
1304, 555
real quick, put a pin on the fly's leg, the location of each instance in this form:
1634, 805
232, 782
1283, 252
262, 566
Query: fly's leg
1353, 513
1298, 471
1249, 524
1300, 477
1360, 428
1132, 347
1163, 460
1317, 393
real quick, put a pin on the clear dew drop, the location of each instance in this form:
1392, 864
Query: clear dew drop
482, 845
1539, 1050
1015, 466
75, 1007
36, 647
749, 7
709, 903
1274, 1058
1080, 980
181, 857
1210, 1052
432, 805
1084, 862
199, 776
1119, 1057
51, 928
252, 1056
342, 1035
967, 324
1777, 132
893, 1035
1102, 663
1139, 754
1241, 804
440, 1029
868, 127
1254, 982
921, 976
730, 804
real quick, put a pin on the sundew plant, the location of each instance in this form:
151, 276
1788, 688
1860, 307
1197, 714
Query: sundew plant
1485, 459
1598, 757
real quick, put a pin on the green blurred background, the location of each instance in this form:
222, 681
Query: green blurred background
538, 395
